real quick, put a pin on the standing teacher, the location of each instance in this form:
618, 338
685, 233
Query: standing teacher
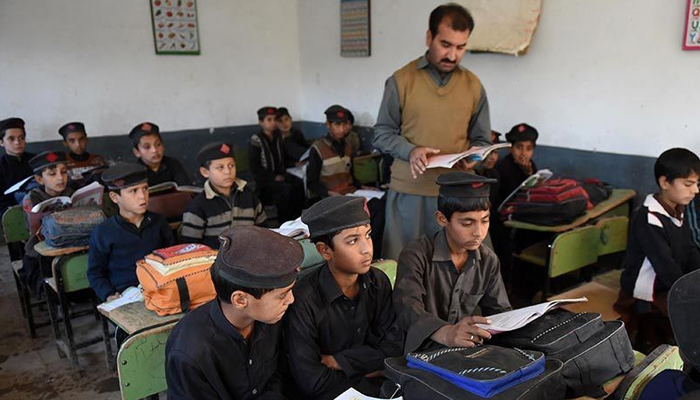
431, 105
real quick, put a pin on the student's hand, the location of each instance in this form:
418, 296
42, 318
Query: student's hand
333, 194
464, 333
418, 159
279, 178
114, 296
375, 374
465, 166
329, 361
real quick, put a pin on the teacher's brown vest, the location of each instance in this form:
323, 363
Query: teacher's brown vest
432, 116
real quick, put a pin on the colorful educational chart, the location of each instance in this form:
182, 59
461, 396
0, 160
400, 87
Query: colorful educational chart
175, 27
691, 38
354, 28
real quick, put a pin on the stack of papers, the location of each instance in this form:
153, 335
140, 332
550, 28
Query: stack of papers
293, 229
129, 295
172, 259
516, 319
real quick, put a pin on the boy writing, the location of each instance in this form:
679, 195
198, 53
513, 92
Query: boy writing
150, 150
79, 161
131, 234
442, 278
342, 326
226, 200
230, 347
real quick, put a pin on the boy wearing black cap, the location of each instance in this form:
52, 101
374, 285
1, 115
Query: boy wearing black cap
14, 164
230, 348
51, 173
517, 166
342, 325
293, 142
150, 150
225, 202
79, 160
329, 172
442, 278
267, 164
131, 234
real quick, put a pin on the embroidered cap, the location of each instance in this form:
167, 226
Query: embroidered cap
46, 159
124, 175
214, 151
337, 113
265, 111
143, 129
521, 133
464, 185
71, 127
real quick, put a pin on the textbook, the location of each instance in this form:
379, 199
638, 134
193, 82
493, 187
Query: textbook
474, 154
173, 187
534, 179
515, 319
90, 195
294, 229
174, 258
131, 294
17, 186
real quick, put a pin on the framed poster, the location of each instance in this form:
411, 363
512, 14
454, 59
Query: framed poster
175, 27
354, 28
691, 34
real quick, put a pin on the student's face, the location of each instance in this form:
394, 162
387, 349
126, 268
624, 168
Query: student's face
271, 306
14, 142
284, 123
132, 200
76, 142
268, 124
352, 250
522, 151
465, 230
54, 179
338, 130
221, 173
446, 49
492, 160
150, 150
680, 190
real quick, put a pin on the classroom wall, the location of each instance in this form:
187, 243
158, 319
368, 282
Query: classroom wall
94, 60
600, 76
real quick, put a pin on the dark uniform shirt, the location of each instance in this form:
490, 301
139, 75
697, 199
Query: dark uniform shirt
266, 157
170, 170
358, 333
511, 175
207, 358
116, 245
430, 292
12, 170
294, 146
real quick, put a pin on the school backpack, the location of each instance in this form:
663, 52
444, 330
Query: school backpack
552, 202
71, 227
591, 350
483, 371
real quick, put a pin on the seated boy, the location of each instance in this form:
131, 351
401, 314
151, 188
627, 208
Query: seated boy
660, 248
14, 164
266, 157
225, 202
79, 161
230, 348
352, 137
517, 166
442, 278
51, 173
121, 240
293, 141
150, 150
342, 325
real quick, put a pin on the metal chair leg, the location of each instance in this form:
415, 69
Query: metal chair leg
52, 306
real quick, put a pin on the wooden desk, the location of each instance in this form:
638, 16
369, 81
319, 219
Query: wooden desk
600, 299
135, 317
48, 251
616, 199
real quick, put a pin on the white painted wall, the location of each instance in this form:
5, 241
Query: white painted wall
605, 75
94, 60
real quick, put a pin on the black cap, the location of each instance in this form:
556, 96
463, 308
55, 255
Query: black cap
498, 135
334, 214
46, 159
255, 257
464, 185
214, 151
11, 123
143, 129
351, 117
265, 111
336, 113
71, 127
281, 112
124, 175
521, 133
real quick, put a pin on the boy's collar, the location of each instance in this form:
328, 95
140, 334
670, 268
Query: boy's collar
162, 166
441, 249
656, 206
210, 193
217, 315
329, 287
80, 157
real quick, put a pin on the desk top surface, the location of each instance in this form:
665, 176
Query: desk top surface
48, 251
617, 198
135, 317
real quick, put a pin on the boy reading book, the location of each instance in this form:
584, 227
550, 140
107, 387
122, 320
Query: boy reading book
79, 161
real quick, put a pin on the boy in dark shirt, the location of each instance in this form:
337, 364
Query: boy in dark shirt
79, 161
230, 348
14, 164
293, 141
342, 325
225, 202
517, 166
442, 278
121, 240
150, 150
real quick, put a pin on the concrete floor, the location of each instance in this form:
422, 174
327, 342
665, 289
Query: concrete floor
30, 369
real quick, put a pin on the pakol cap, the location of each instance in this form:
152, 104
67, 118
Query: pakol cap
464, 185
521, 133
71, 127
124, 175
214, 151
334, 214
46, 159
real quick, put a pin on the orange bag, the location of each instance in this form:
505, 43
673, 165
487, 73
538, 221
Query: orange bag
181, 291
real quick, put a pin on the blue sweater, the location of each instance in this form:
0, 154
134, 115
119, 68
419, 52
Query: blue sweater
116, 245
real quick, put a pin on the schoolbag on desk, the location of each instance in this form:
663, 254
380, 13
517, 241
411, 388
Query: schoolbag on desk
552, 202
71, 227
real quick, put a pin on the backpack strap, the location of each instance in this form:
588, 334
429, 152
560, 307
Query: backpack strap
184, 294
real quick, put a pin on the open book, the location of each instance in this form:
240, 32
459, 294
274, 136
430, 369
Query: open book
131, 294
293, 229
90, 195
352, 394
367, 194
173, 187
515, 319
18, 185
534, 179
474, 154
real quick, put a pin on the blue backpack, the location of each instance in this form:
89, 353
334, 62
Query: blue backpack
71, 227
